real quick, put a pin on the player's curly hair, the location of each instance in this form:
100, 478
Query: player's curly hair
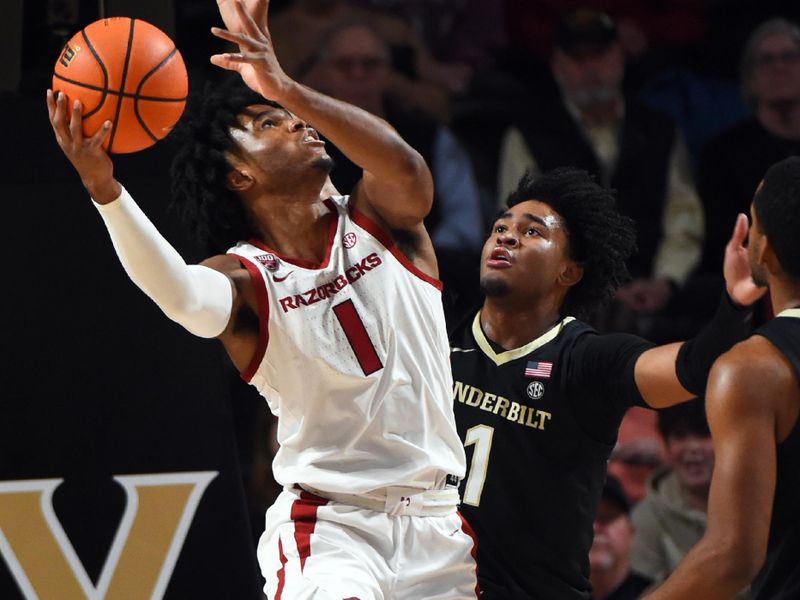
214, 213
600, 238
777, 206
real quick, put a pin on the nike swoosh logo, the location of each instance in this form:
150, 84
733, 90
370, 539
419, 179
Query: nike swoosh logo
454, 349
277, 279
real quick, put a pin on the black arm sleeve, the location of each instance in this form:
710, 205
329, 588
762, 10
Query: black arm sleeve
730, 324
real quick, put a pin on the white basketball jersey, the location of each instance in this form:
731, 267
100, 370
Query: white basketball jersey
354, 361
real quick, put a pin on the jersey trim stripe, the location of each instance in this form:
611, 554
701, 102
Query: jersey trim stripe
281, 574
304, 515
301, 262
474, 552
384, 238
790, 312
509, 355
263, 317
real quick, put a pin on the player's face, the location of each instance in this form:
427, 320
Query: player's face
274, 143
692, 458
755, 241
527, 252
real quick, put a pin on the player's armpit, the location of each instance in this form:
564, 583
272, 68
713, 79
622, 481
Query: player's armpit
241, 336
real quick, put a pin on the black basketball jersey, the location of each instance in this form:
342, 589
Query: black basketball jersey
538, 423
779, 578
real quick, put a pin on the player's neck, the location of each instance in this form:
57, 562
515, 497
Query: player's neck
513, 326
784, 295
296, 229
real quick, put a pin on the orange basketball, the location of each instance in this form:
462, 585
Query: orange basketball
128, 72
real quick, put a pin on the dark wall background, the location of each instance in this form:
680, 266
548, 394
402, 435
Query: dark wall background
95, 380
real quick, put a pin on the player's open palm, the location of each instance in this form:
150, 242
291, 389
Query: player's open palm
738, 274
85, 153
255, 61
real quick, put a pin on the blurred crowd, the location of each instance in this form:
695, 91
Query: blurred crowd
680, 106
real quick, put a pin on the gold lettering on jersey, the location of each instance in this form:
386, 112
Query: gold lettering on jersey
524, 415
475, 397
158, 512
327, 290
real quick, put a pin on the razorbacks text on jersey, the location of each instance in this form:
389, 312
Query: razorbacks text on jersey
779, 577
539, 423
353, 359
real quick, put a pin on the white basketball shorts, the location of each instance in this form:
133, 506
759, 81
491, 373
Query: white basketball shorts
315, 548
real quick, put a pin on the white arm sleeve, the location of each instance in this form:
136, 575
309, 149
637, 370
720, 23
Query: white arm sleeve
197, 297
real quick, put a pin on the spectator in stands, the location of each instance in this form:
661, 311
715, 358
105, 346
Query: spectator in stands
627, 146
423, 81
672, 516
638, 452
610, 556
354, 66
732, 164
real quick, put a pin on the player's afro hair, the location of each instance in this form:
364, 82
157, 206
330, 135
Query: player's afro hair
777, 206
600, 238
213, 213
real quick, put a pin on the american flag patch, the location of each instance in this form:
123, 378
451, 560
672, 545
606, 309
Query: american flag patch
538, 369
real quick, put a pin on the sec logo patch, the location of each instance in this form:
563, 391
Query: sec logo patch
535, 390
349, 240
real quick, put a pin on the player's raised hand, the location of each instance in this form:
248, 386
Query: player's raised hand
255, 61
257, 8
738, 274
87, 155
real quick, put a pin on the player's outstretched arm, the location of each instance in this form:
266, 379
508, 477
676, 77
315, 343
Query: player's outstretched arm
673, 373
199, 298
742, 415
397, 183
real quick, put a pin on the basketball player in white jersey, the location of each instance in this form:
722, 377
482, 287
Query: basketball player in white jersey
331, 308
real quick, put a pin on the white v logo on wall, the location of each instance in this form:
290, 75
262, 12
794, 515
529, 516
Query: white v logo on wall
159, 509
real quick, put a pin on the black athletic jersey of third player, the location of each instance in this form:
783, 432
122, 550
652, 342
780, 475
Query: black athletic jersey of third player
539, 423
779, 578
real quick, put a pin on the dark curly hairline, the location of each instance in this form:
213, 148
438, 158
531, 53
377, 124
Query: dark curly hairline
600, 238
213, 213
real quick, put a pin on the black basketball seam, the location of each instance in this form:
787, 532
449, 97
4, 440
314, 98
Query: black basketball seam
117, 92
138, 89
122, 85
104, 89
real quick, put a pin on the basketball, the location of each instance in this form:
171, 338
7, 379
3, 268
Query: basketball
126, 71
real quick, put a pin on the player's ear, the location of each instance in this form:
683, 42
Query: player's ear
570, 274
239, 179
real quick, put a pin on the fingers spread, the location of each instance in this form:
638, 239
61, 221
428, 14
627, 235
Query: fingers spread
76, 123
248, 24
242, 39
231, 62
100, 135
59, 118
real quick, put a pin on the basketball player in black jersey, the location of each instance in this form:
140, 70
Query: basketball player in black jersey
539, 395
753, 402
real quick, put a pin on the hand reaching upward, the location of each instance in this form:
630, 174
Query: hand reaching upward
232, 20
255, 61
738, 274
